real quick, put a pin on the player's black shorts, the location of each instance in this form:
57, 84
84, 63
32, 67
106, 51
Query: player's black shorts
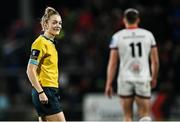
53, 105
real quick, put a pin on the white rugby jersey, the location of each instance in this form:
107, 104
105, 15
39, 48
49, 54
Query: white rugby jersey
134, 46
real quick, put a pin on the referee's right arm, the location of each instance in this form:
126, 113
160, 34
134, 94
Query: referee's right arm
32, 75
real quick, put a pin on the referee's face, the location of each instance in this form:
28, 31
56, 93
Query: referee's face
54, 25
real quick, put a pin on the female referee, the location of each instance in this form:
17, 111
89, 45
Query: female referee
42, 69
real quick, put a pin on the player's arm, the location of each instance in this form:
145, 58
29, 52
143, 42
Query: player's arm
32, 75
154, 65
111, 71
37, 53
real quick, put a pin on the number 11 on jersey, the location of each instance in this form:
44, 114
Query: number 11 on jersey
136, 46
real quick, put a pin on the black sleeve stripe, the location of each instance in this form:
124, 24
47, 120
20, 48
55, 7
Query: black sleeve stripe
114, 48
152, 46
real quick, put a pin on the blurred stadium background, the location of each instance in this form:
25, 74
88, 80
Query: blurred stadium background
83, 54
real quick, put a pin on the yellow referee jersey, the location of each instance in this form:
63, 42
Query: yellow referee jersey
44, 55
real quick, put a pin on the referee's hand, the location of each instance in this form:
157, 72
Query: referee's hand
43, 98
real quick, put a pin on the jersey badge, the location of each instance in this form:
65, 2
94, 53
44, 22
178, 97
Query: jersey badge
34, 54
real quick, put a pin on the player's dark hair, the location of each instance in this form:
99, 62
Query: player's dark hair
131, 15
49, 11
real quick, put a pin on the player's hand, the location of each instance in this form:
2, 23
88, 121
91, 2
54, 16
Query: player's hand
109, 91
153, 83
43, 98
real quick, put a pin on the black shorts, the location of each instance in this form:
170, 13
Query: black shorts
53, 105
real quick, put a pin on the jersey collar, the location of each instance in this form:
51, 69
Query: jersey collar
135, 27
53, 41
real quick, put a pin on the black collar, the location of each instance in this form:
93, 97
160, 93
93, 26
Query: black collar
53, 41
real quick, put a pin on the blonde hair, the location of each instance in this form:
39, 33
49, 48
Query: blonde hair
49, 11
